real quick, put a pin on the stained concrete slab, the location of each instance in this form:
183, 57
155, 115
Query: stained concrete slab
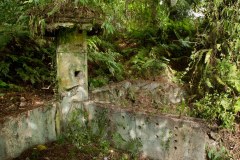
161, 94
72, 61
163, 137
33, 127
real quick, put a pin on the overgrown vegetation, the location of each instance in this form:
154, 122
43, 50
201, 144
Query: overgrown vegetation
24, 59
103, 62
214, 68
218, 154
136, 39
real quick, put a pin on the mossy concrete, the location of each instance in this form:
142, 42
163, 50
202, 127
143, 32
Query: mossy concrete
72, 61
153, 96
71, 70
33, 127
163, 137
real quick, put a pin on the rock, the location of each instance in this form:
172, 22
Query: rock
22, 104
166, 93
214, 136
127, 85
22, 99
151, 86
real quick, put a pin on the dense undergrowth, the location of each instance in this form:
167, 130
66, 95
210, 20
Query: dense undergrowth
137, 39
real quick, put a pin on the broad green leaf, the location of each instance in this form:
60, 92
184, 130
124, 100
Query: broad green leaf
218, 2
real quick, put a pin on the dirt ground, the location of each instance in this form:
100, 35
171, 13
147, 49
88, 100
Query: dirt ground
231, 141
53, 151
66, 151
13, 102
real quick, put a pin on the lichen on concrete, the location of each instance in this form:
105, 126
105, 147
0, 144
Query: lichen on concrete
162, 137
152, 96
30, 128
71, 61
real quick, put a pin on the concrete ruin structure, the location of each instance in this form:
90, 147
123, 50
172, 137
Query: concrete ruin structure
162, 136
41, 125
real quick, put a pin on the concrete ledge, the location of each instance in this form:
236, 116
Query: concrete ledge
27, 129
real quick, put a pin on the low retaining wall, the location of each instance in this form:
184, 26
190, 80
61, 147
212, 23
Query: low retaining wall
162, 137
20, 132
132, 93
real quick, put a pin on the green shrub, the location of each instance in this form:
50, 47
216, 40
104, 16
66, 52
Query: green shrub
27, 63
218, 154
103, 62
220, 107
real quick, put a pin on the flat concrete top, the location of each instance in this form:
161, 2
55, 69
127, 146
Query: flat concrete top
67, 14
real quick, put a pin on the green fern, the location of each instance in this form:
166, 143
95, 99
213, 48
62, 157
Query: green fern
133, 146
101, 53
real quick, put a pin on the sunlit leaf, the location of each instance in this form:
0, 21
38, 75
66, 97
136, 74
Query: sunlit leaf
208, 55
237, 106
41, 147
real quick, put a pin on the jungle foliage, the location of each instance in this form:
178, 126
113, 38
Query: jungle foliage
24, 59
198, 39
214, 68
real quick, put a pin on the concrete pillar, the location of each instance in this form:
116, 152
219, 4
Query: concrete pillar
72, 64
71, 73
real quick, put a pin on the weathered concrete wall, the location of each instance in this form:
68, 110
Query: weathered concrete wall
163, 137
159, 95
18, 133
